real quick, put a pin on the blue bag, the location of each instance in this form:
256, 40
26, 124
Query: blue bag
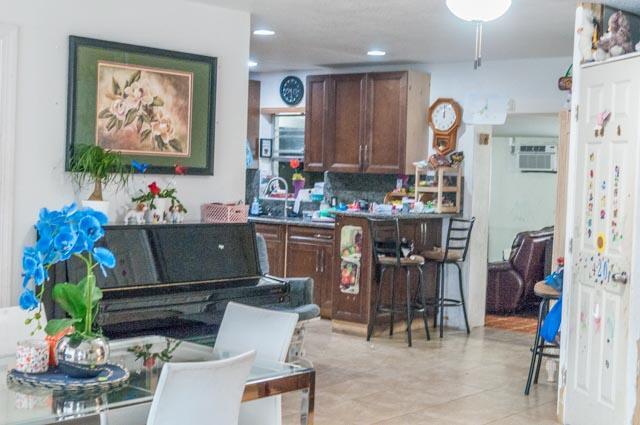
551, 324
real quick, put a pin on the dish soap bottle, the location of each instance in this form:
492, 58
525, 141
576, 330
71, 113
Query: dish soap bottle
256, 209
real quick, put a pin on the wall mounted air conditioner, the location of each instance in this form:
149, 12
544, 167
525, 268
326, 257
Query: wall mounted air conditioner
537, 158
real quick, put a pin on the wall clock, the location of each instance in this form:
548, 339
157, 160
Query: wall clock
291, 90
444, 119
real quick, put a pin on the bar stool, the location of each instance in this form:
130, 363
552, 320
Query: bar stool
454, 252
547, 294
387, 255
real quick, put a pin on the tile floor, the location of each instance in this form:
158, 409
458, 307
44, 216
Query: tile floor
457, 380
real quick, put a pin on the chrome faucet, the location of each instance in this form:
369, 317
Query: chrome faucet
273, 184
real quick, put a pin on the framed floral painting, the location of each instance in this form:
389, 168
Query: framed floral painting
155, 106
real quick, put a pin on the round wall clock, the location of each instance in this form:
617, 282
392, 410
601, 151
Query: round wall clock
291, 90
444, 118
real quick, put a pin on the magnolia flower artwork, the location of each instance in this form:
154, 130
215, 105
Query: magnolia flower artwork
143, 110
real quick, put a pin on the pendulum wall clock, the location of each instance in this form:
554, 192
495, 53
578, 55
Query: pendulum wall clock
445, 116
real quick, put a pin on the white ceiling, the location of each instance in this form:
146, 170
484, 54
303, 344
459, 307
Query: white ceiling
312, 34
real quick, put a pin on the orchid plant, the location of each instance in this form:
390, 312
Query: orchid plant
69, 232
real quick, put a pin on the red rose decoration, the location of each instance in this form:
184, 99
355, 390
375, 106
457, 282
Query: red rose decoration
294, 163
154, 189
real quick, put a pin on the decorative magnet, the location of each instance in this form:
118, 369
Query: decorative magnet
601, 121
597, 319
601, 242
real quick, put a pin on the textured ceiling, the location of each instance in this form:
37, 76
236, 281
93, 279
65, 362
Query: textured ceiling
337, 33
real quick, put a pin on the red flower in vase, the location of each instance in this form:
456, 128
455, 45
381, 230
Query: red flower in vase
154, 189
294, 163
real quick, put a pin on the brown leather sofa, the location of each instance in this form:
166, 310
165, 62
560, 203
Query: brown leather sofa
510, 283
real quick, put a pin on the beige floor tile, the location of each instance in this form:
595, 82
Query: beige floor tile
457, 380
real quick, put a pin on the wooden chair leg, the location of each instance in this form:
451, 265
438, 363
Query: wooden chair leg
464, 307
376, 305
441, 299
422, 288
409, 307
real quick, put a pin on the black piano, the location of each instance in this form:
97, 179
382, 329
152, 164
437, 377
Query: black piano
175, 280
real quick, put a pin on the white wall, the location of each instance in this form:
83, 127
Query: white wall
519, 201
44, 27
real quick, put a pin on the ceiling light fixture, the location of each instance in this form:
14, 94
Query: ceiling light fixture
252, 64
376, 53
264, 32
478, 11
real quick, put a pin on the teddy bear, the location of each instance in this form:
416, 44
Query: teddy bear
617, 41
586, 33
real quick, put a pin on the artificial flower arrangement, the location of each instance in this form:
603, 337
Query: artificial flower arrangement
296, 166
69, 232
154, 193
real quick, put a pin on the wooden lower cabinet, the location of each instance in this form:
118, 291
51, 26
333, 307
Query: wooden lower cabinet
308, 252
274, 235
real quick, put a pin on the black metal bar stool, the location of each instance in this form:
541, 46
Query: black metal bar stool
387, 255
547, 294
455, 253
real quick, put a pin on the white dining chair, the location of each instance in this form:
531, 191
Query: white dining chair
201, 393
268, 332
14, 329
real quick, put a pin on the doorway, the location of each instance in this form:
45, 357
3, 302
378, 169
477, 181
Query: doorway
521, 217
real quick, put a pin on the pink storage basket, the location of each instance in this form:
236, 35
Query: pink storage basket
224, 213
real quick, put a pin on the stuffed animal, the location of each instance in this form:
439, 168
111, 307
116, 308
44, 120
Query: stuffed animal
617, 41
136, 214
586, 32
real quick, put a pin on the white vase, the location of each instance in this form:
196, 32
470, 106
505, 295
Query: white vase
157, 215
102, 206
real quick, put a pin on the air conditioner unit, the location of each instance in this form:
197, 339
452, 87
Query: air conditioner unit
537, 158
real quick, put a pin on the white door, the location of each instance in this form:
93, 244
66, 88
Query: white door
603, 245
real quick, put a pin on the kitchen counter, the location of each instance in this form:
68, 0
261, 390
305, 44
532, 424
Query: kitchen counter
291, 221
400, 216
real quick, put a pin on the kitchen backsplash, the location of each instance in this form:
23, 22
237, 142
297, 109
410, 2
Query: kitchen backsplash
347, 187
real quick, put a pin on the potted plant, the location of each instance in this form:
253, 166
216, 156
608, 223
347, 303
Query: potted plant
297, 178
91, 164
69, 232
158, 201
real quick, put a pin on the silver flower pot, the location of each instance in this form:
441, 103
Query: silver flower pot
82, 358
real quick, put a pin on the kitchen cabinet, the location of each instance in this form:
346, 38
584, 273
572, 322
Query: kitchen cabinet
315, 131
367, 123
302, 251
310, 254
274, 235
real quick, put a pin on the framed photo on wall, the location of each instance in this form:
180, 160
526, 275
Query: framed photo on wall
152, 105
266, 148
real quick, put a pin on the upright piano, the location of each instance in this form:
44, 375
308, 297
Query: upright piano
175, 280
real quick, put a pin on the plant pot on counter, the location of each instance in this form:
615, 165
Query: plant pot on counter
82, 358
102, 206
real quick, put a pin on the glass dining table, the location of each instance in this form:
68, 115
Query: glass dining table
22, 405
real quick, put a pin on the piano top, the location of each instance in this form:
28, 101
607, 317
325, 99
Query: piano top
164, 255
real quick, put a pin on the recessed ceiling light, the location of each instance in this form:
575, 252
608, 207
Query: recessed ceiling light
252, 64
376, 53
263, 32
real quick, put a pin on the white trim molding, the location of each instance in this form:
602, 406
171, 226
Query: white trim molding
8, 83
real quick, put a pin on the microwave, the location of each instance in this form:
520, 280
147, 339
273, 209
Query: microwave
288, 137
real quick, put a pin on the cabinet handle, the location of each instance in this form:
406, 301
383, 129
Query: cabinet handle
360, 155
321, 261
317, 261
366, 156
319, 236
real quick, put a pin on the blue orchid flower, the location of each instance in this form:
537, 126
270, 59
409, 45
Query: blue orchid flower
33, 268
104, 258
140, 167
62, 234
28, 300
90, 226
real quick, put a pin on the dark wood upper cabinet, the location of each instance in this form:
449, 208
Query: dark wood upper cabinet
371, 123
315, 131
346, 116
386, 123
